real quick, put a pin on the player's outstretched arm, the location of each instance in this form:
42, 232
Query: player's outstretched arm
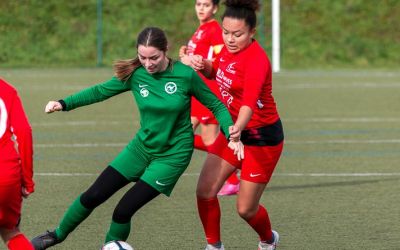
53, 106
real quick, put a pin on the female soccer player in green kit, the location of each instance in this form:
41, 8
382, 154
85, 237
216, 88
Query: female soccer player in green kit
161, 150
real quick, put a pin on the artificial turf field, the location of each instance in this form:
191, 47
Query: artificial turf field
336, 186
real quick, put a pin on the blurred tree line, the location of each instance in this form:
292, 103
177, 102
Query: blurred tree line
314, 33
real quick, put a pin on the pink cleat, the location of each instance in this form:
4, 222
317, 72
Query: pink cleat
229, 189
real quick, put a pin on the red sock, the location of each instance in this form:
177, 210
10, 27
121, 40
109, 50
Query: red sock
19, 242
210, 216
199, 144
261, 224
233, 179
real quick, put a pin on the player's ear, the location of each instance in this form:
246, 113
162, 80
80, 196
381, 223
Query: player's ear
252, 32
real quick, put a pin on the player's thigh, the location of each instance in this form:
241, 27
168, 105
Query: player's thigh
131, 162
164, 172
10, 205
209, 133
259, 162
213, 175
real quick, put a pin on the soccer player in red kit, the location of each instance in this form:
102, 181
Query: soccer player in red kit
243, 73
207, 41
15, 166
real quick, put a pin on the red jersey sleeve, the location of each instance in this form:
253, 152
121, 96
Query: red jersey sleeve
23, 133
216, 40
255, 77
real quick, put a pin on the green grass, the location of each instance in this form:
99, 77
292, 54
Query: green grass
338, 124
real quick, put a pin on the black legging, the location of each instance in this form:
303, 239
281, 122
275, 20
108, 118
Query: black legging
109, 182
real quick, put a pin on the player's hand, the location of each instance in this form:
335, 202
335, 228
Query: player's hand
52, 106
182, 51
238, 149
185, 59
234, 133
197, 62
25, 192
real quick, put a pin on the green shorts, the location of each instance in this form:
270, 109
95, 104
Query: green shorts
160, 172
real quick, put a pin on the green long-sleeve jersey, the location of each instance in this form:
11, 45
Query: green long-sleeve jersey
163, 100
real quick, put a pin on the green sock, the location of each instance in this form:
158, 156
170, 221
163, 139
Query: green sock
118, 231
74, 215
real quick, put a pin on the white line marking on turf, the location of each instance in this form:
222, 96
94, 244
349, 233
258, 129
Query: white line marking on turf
130, 121
337, 174
383, 141
79, 123
338, 86
350, 119
81, 145
65, 174
110, 145
276, 174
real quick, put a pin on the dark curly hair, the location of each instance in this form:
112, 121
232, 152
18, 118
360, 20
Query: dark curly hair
243, 10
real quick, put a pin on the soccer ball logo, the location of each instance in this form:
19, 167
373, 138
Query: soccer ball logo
116, 245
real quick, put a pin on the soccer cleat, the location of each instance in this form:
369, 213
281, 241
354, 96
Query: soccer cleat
44, 241
212, 247
272, 246
229, 189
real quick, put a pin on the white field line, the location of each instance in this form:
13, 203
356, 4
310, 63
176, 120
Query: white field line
338, 85
80, 123
53, 87
81, 145
341, 73
344, 120
383, 141
291, 85
321, 119
276, 174
111, 145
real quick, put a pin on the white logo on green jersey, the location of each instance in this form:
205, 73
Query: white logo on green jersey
160, 183
144, 92
170, 87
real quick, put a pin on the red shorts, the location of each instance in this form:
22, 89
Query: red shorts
10, 205
204, 115
259, 161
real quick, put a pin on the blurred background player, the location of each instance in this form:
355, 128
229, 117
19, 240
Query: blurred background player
244, 75
154, 158
207, 41
16, 166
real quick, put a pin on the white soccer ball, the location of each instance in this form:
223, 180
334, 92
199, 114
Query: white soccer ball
116, 245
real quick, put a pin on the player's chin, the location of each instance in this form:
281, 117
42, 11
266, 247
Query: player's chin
232, 49
151, 70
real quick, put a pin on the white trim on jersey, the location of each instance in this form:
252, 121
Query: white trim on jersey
210, 53
3, 118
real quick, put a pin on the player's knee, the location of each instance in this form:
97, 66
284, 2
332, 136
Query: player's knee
122, 215
246, 212
92, 198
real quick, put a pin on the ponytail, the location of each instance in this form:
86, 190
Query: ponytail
123, 69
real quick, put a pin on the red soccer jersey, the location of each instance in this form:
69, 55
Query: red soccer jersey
14, 165
206, 41
245, 79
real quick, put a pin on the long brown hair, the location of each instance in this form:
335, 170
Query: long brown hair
150, 36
